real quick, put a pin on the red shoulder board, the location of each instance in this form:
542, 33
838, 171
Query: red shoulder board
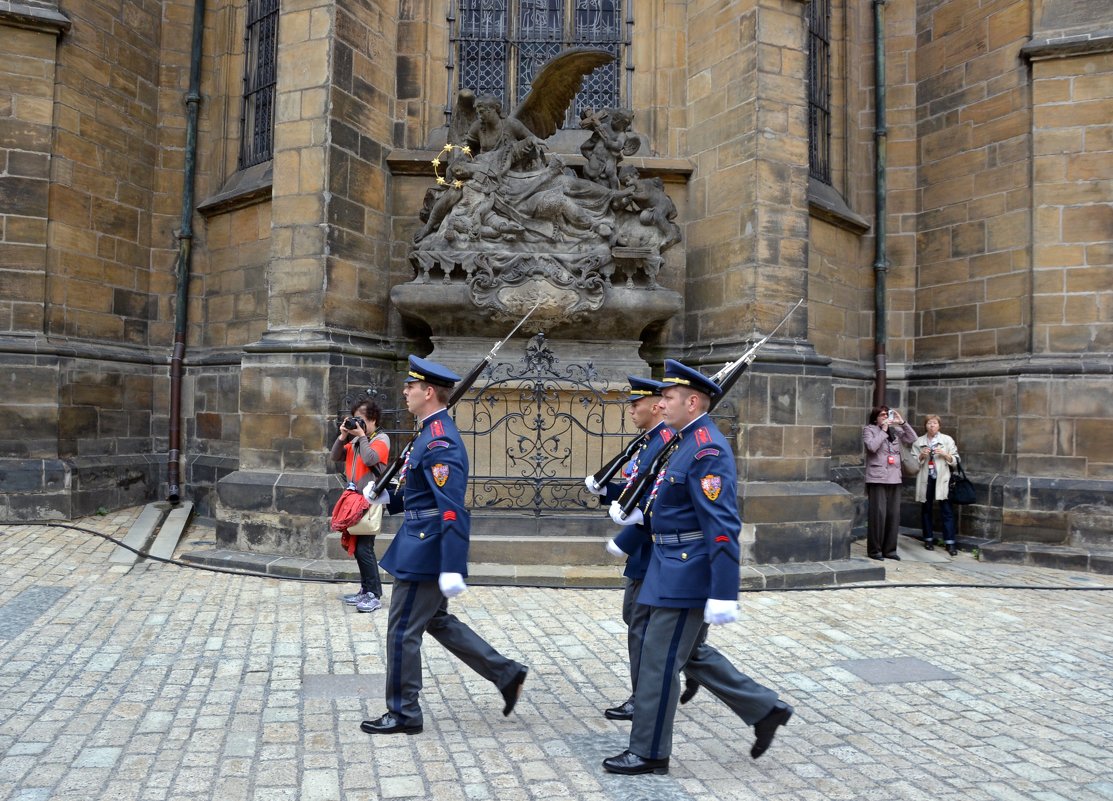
437, 428
666, 434
703, 436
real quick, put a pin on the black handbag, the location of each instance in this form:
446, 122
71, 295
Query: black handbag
961, 490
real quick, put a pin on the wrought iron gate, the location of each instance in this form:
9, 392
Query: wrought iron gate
534, 428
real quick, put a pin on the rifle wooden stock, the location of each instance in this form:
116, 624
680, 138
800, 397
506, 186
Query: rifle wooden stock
462, 386
633, 493
725, 378
608, 471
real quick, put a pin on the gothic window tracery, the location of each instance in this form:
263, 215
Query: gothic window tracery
819, 89
259, 81
499, 45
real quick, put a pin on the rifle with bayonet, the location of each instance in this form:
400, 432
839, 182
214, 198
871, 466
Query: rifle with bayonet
725, 378
462, 386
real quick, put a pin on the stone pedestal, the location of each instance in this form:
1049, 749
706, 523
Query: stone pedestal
292, 391
609, 337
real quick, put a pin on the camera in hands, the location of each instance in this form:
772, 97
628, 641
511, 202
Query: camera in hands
352, 423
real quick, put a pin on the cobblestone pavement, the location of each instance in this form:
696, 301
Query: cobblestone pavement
171, 683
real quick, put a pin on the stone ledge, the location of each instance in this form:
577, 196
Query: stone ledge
825, 203
754, 578
35, 17
1068, 46
1056, 557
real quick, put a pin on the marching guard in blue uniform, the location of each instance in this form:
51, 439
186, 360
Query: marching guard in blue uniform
428, 558
645, 412
692, 581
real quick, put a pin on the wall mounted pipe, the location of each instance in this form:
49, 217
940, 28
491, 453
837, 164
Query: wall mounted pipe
185, 256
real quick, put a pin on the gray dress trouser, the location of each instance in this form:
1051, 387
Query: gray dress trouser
417, 607
674, 641
636, 617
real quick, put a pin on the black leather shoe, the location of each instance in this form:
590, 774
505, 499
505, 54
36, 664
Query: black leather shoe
951, 549
633, 765
766, 728
894, 556
691, 687
876, 556
512, 690
929, 545
624, 711
389, 724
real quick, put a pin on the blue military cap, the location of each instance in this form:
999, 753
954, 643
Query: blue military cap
643, 388
431, 373
677, 374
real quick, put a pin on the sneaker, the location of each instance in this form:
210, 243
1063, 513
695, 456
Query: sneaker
356, 598
369, 604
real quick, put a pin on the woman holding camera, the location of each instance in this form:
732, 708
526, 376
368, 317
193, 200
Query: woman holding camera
883, 479
937, 454
364, 450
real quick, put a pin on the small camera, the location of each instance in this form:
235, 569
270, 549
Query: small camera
890, 415
352, 423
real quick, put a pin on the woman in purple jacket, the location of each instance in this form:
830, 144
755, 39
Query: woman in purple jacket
883, 479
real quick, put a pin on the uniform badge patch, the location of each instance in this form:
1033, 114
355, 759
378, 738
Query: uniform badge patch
437, 443
703, 436
711, 486
437, 428
706, 452
440, 475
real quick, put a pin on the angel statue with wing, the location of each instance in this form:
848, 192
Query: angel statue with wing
509, 213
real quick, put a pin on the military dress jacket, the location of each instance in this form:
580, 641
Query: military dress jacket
637, 540
434, 536
694, 518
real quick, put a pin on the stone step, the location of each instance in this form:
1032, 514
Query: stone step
1060, 557
1091, 527
753, 577
498, 549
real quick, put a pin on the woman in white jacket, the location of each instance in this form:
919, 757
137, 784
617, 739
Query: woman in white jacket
937, 453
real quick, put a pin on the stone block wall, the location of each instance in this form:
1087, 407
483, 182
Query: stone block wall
102, 176
1072, 130
973, 134
29, 466
26, 112
366, 75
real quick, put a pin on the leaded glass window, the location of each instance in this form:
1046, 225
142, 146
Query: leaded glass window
259, 79
499, 45
819, 90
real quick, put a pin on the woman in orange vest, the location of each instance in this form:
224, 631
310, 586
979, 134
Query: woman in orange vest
364, 450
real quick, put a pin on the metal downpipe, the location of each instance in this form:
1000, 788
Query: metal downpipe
880, 259
185, 256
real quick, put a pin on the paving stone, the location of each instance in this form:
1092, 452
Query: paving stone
172, 683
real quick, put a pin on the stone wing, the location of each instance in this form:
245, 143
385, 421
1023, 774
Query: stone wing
552, 90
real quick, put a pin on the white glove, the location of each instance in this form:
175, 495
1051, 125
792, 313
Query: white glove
589, 482
613, 549
718, 612
382, 498
451, 584
634, 518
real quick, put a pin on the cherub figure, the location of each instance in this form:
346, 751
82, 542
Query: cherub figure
473, 216
647, 197
610, 140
